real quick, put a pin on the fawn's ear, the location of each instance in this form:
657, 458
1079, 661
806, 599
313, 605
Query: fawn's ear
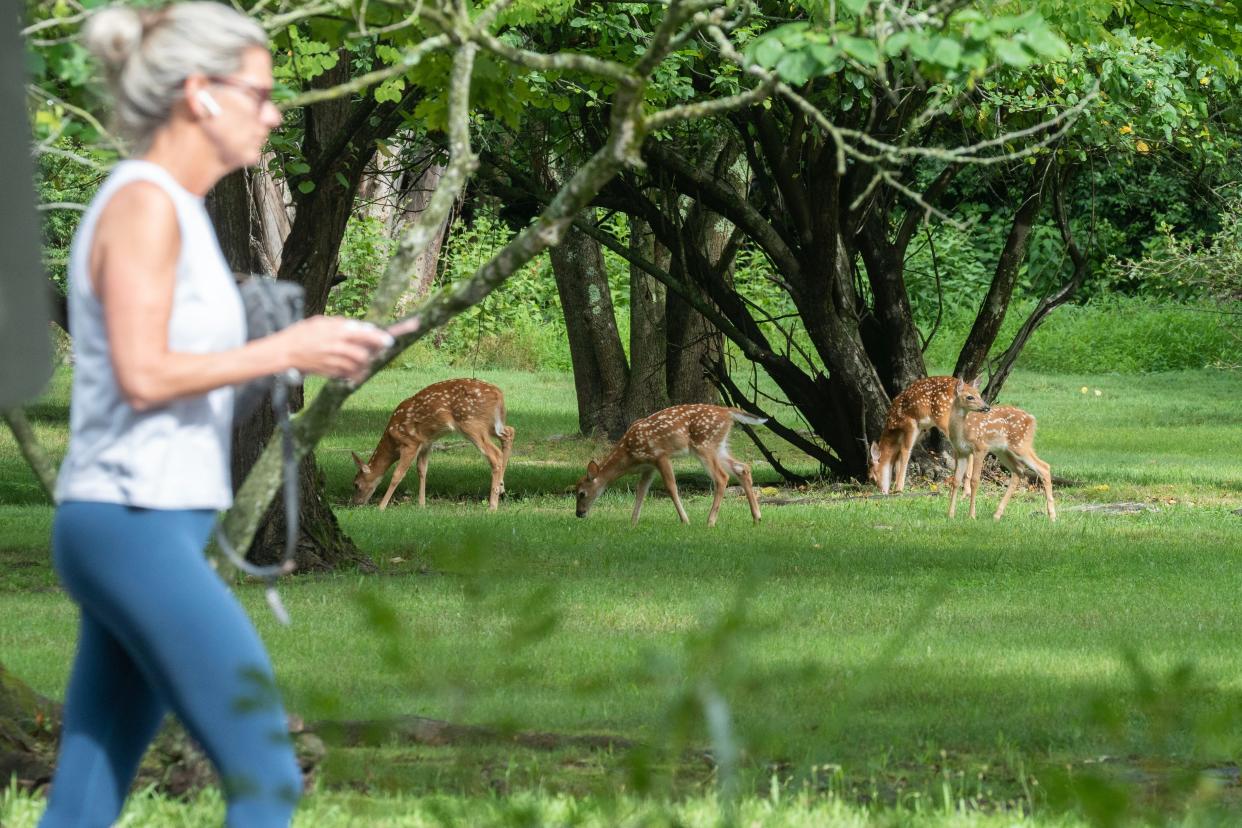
875, 452
592, 469
358, 461
974, 383
959, 386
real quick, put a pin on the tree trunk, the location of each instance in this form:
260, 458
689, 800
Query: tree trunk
321, 543
415, 197
693, 342
338, 144
30, 727
600, 370
648, 389
889, 333
28, 731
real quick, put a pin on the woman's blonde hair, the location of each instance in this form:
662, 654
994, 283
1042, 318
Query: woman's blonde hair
147, 55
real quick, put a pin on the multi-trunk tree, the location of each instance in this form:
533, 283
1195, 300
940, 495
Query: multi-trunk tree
443, 63
882, 116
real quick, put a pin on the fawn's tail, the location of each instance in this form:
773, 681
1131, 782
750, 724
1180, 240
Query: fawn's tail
742, 417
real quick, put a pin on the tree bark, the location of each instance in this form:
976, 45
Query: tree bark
648, 389
29, 725
693, 342
321, 542
601, 374
415, 197
891, 337
338, 144
30, 728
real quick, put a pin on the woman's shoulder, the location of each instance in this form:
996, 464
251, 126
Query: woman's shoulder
138, 202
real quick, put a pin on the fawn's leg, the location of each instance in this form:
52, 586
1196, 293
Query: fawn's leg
955, 483
720, 478
482, 441
670, 483
970, 471
424, 455
644, 483
506, 449
1015, 477
908, 438
976, 473
408, 453
1045, 476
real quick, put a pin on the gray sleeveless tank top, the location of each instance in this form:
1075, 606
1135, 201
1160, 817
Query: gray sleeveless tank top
175, 456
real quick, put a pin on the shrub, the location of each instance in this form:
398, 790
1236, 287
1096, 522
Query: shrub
1123, 335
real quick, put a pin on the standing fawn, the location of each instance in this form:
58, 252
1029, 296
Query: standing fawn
648, 443
975, 429
925, 404
473, 407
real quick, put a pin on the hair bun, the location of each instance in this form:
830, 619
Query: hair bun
113, 35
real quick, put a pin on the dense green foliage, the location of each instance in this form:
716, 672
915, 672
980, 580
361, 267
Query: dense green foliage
1140, 315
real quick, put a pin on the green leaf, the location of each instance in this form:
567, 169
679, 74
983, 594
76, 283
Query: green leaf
897, 43
797, 67
306, 187
824, 54
855, 7
768, 51
862, 50
390, 90
947, 52
1011, 53
1042, 41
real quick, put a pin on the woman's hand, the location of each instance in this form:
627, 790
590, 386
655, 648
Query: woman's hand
333, 347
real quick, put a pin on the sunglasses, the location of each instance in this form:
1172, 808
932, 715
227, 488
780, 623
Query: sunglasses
260, 94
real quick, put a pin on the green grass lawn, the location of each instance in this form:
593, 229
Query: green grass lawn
868, 650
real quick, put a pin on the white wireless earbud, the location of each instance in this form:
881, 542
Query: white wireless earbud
209, 103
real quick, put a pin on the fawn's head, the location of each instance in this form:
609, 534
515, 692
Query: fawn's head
966, 396
588, 488
879, 467
365, 481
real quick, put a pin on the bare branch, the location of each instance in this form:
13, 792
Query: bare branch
53, 22
73, 156
570, 61
281, 20
42, 95
40, 463
706, 109
462, 164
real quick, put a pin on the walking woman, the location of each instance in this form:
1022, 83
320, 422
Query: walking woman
158, 339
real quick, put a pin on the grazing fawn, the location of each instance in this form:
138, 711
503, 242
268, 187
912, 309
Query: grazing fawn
649, 443
473, 407
926, 403
976, 428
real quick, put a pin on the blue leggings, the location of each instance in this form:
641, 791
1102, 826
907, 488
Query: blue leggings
160, 631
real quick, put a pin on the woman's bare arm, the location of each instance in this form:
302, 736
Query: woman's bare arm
133, 272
